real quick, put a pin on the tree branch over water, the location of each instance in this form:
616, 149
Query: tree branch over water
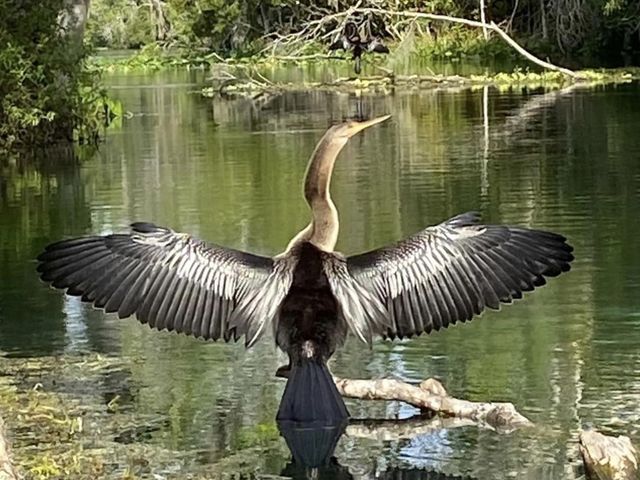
431, 396
315, 31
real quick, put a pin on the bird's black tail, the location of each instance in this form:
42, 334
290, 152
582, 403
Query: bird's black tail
357, 67
311, 395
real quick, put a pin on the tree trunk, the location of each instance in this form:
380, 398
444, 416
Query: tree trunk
73, 19
483, 19
159, 20
543, 21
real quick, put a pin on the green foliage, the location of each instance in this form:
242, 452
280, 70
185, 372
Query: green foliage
261, 435
46, 93
578, 31
153, 58
119, 24
458, 43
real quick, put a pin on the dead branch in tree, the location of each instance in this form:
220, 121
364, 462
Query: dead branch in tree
431, 396
608, 458
316, 30
529, 56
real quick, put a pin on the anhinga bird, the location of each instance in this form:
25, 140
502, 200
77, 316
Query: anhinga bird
351, 39
310, 295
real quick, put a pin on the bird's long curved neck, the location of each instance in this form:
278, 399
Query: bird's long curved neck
323, 229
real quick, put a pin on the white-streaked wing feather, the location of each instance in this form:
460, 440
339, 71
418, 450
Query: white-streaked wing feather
171, 281
359, 308
445, 274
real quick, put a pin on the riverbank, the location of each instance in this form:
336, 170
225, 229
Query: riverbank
402, 69
389, 82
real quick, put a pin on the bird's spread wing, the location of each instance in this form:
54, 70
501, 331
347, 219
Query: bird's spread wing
444, 274
377, 46
171, 281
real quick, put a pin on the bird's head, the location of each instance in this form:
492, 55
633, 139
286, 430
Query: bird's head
348, 129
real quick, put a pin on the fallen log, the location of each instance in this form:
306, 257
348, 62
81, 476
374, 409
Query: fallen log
608, 458
431, 396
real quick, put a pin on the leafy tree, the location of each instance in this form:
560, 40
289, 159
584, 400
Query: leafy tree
46, 93
120, 24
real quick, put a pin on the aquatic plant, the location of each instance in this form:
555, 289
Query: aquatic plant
67, 429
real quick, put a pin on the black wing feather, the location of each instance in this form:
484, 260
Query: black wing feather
447, 273
170, 280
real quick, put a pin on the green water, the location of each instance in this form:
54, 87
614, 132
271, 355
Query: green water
230, 172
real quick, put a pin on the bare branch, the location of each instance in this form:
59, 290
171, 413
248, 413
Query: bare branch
430, 395
473, 23
313, 31
528, 55
484, 21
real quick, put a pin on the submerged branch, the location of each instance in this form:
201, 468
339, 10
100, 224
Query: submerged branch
431, 396
394, 430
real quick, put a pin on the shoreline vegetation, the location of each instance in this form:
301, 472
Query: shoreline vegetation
387, 81
248, 76
241, 76
48, 94
52, 89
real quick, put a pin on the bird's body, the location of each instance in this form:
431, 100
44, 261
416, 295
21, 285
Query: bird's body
309, 295
308, 321
352, 39
309, 330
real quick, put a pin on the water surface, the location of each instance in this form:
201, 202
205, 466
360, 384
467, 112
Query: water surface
230, 172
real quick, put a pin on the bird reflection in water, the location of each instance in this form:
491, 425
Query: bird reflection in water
312, 446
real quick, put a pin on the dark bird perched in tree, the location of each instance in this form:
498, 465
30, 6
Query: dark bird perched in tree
310, 295
354, 39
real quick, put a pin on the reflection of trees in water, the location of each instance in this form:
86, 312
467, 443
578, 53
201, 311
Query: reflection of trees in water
39, 199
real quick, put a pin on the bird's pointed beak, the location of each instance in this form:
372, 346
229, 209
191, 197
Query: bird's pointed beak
354, 127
